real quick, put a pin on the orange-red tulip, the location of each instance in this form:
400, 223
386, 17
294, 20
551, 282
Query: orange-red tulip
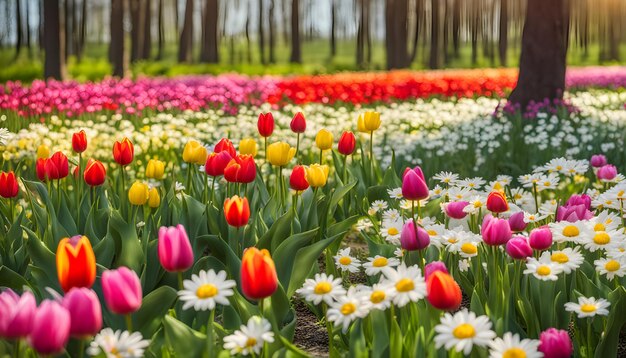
298, 123
241, 169
496, 202
8, 185
258, 274
265, 124
79, 141
237, 211
347, 143
225, 145
57, 167
123, 152
76, 263
40, 169
95, 173
297, 180
443, 292
216, 163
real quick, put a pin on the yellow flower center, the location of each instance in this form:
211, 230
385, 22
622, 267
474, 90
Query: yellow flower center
612, 266
452, 240
251, 342
464, 331
469, 248
322, 288
620, 194
348, 308
514, 353
559, 257
377, 296
588, 308
546, 183
602, 238
379, 262
558, 167
571, 231
543, 270
345, 260
405, 285
599, 227
432, 232
478, 204
392, 231
206, 291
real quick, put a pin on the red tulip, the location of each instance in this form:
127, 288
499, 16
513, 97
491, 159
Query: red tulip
79, 141
123, 152
265, 124
76, 263
216, 163
258, 274
8, 185
95, 173
347, 143
496, 202
225, 145
57, 166
298, 123
237, 211
443, 292
297, 180
40, 169
241, 169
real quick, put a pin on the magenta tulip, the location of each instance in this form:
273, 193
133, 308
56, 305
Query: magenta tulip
455, 209
516, 222
598, 161
122, 290
16, 314
607, 172
555, 343
540, 238
495, 231
414, 185
518, 248
573, 213
175, 253
434, 266
51, 328
85, 312
408, 239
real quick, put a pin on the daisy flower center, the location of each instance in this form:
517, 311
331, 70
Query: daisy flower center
559, 257
377, 296
588, 308
322, 288
405, 285
345, 260
543, 270
432, 233
468, 248
348, 308
251, 342
452, 240
207, 291
392, 231
601, 238
546, 183
464, 331
599, 227
514, 353
571, 231
612, 266
380, 262
478, 204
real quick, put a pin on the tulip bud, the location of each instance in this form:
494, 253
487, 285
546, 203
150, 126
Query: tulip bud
516, 221
95, 173
8, 185
85, 312
237, 211
324, 139
154, 198
76, 263
57, 167
139, 193
317, 175
248, 146
433, 267
297, 180
347, 143
443, 291
607, 172
51, 328
43, 152
598, 161
79, 141
16, 314
122, 290
194, 153
540, 238
258, 274
298, 123
155, 169
240, 169
518, 248
225, 145
265, 124
555, 343
123, 152
175, 253
496, 202
280, 153
455, 209
495, 231
414, 185
412, 239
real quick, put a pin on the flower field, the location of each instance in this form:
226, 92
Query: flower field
192, 217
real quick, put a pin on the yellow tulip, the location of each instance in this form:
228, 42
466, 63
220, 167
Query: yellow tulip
155, 199
248, 146
195, 153
360, 125
280, 153
371, 121
138, 193
324, 139
155, 169
43, 152
317, 175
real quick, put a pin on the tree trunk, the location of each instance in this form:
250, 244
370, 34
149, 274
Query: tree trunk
396, 33
146, 40
209, 49
186, 36
333, 35
433, 61
116, 46
135, 32
261, 33
296, 55
446, 33
474, 24
52, 39
456, 26
360, 36
544, 49
248, 41
161, 34
27, 18
18, 28
366, 31
504, 31
419, 10
285, 12
272, 33
83, 30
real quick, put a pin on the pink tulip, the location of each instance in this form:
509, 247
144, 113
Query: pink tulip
455, 209
122, 290
16, 314
607, 172
540, 238
516, 222
518, 248
51, 328
175, 253
414, 185
409, 241
495, 231
85, 312
598, 161
434, 266
573, 213
576, 199
555, 343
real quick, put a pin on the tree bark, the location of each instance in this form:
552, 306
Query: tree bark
272, 33
504, 31
419, 10
248, 41
136, 29
333, 34
474, 25
52, 39
544, 49
296, 55
18, 28
360, 36
83, 30
27, 18
209, 50
161, 34
396, 33
261, 33
146, 40
116, 46
456, 26
433, 61
186, 35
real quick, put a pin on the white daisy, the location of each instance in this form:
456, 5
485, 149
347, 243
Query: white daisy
533, 218
565, 231
462, 331
611, 267
510, 345
468, 249
378, 205
504, 179
567, 259
345, 262
407, 282
605, 221
206, 290
476, 203
472, 183
395, 193
464, 265
377, 264
604, 201
5, 135
588, 307
446, 177
459, 193
379, 295
398, 252
602, 240
548, 182
118, 344
548, 207
347, 308
437, 191
364, 224
391, 230
617, 252
250, 338
391, 215
321, 288
543, 269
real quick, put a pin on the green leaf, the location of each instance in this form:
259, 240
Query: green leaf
184, 341
154, 306
615, 322
287, 252
277, 233
358, 345
338, 195
11, 279
128, 249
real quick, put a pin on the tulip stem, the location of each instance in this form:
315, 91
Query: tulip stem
129, 322
321, 156
372, 153
180, 280
189, 180
17, 348
205, 192
12, 208
81, 348
535, 196
298, 148
79, 187
212, 190
123, 185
